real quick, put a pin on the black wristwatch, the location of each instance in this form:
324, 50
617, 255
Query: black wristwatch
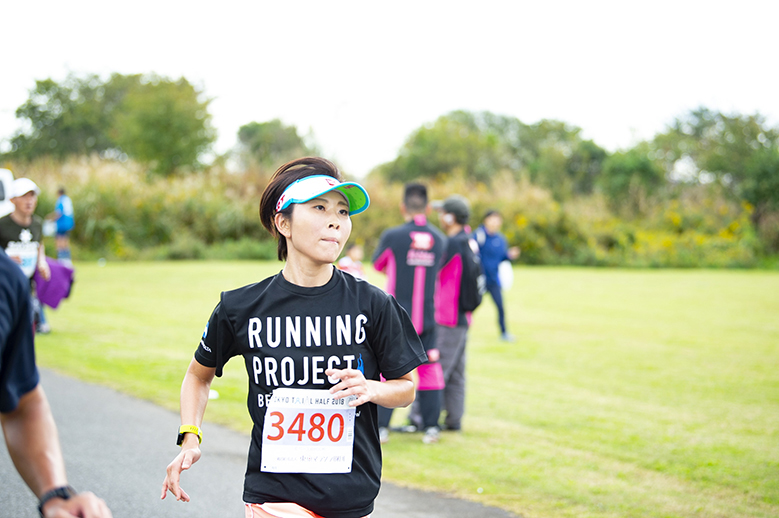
63, 492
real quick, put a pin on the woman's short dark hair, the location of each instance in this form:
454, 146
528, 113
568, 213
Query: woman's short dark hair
283, 178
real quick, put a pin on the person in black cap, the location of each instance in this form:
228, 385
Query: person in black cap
493, 250
459, 290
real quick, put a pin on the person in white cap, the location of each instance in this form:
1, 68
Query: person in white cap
314, 340
21, 236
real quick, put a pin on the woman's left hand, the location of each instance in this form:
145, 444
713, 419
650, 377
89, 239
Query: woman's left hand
352, 383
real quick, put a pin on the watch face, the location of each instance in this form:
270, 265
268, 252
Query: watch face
65, 492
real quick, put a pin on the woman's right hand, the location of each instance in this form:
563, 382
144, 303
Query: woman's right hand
183, 461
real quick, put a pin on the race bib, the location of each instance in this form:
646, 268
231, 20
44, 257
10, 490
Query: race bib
307, 431
27, 252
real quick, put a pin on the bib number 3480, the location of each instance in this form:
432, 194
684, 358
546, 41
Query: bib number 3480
307, 431
311, 426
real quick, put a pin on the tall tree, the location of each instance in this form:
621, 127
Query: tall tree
63, 119
152, 119
447, 147
163, 123
739, 151
558, 159
270, 142
478, 145
629, 178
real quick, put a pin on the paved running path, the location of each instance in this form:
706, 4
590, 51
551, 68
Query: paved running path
118, 447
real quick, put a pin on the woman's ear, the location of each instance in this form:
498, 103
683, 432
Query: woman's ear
282, 224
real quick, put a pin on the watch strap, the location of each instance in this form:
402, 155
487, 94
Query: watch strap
64, 492
189, 428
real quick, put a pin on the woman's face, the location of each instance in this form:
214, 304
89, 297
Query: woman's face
318, 229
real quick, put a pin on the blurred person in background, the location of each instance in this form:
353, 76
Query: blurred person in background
410, 255
64, 218
494, 250
351, 262
458, 293
21, 236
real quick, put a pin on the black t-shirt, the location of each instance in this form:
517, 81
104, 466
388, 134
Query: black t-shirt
289, 335
22, 242
18, 374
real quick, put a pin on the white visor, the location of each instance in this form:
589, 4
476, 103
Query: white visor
310, 187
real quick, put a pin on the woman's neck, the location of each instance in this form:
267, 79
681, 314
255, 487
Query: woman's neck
307, 275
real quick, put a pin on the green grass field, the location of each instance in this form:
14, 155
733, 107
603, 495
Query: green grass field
628, 392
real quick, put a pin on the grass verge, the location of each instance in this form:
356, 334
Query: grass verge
646, 393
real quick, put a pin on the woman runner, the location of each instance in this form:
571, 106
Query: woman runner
314, 341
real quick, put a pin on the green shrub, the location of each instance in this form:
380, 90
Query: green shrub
186, 246
122, 214
244, 248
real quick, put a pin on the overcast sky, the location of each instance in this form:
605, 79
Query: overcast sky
362, 76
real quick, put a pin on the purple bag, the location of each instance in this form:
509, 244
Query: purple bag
52, 292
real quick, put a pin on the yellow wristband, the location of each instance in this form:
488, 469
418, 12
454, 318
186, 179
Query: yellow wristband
188, 428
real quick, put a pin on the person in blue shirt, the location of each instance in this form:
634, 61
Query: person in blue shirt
493, 250
63, 216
